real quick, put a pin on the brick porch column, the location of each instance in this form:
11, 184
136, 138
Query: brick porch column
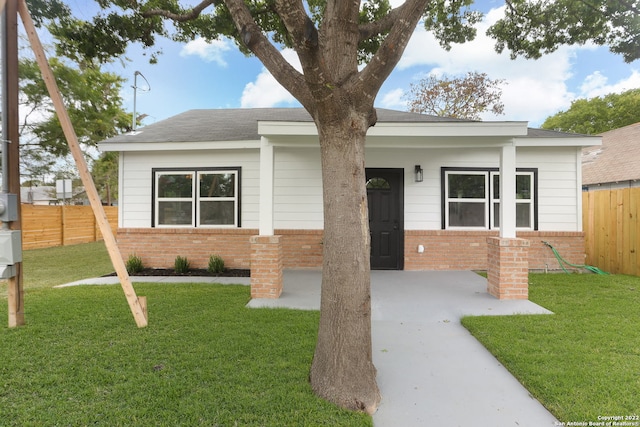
266, 267
508, 268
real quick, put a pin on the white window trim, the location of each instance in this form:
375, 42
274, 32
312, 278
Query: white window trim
484, 200
195, 197
157, 199
529, 201
488, 200
219, 199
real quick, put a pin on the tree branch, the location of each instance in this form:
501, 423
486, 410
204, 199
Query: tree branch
375, 28
188, 16
306, 42
339, 36
298, 23
271, 58
391, 50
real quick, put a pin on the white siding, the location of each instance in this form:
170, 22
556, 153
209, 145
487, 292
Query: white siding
558, 207
297, 189
135, 187
298, 182
558, 186
422, 200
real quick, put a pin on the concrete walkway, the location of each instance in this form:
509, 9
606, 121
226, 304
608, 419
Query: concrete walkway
431, 371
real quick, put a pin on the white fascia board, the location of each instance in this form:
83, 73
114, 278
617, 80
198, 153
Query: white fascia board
450, 129
437, 142
402, 129
272, 128
173, 146
578, 141
400, 142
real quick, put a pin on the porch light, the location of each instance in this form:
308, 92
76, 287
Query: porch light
419, 174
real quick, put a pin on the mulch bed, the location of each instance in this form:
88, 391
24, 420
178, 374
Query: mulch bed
230, 272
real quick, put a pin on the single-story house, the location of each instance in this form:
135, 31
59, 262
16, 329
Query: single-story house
39, 195
47, 195
246, 184
614, 164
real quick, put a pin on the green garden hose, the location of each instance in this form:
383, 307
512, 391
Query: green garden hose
564, 262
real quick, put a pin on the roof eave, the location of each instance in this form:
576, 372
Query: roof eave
577, 141
181, 145
402, 129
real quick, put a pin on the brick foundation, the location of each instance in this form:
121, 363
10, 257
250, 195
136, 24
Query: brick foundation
508, 268
467, 250
301, 248
444, 249
158, 247
266, 266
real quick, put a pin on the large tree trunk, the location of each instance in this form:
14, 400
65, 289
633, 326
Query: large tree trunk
342, 370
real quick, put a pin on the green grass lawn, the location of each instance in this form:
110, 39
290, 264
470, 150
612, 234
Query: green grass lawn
204, 359
582, 362
48, 267
44, 268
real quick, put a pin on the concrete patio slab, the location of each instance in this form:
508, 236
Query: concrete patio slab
431, 370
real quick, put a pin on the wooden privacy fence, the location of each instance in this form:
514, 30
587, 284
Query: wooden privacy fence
45, 226
612, 230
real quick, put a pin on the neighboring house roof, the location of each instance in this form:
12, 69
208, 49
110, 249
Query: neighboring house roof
46, 194
241, 124
38, 195
616, 160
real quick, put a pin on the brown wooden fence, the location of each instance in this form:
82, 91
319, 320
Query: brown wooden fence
612, 230
45, 226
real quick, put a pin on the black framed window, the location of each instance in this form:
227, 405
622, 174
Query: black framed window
471, 198
204, 197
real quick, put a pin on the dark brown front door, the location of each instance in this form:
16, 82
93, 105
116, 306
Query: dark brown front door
385, 194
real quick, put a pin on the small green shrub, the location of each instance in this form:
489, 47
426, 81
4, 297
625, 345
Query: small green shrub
216, 264
181, 265
134, 264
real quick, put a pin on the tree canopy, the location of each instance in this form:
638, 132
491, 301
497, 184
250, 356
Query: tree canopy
529, 28
534, 28
92, 97
598, 115
464, 97
105, 175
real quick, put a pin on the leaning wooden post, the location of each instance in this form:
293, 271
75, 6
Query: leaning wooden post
139, 313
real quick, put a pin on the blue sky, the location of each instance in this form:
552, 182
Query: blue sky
200, 75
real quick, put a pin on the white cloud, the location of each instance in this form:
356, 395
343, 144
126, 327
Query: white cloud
209, 51
265, 91
393, 100
535, 89
597, 84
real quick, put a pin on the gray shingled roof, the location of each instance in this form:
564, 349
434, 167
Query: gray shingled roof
617, 160
241, 124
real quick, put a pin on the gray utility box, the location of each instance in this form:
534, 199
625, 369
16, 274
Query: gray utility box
8, 207
10, 247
